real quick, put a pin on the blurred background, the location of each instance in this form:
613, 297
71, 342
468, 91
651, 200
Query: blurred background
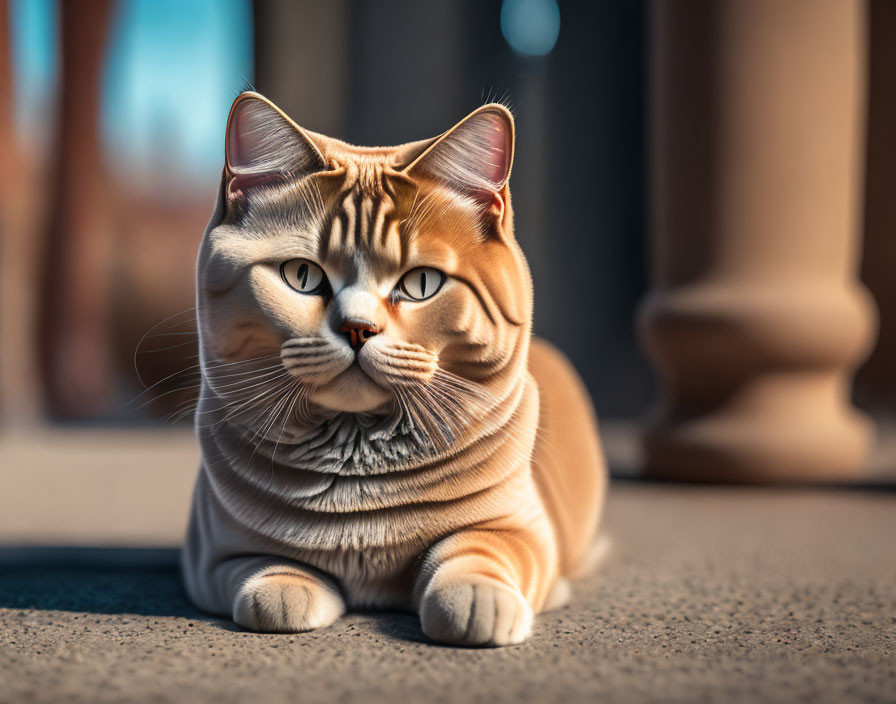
111, 124
115, 114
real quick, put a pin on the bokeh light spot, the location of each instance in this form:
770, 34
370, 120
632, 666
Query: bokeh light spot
531, 27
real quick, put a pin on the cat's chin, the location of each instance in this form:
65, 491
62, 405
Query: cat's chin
352, 391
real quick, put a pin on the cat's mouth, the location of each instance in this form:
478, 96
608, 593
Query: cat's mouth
352, 391
372, 379
358, 374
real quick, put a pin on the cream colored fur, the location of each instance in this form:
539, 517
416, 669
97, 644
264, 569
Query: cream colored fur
448, 467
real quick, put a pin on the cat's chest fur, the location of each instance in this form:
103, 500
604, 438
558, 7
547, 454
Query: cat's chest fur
358, 499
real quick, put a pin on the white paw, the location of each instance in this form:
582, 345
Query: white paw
475, 610
286, 602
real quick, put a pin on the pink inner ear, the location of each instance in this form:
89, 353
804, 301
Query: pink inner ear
498, 205
261, 140
239, 152
475, 158
497, 136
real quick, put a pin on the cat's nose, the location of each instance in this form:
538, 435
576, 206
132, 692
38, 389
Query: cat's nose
358, 331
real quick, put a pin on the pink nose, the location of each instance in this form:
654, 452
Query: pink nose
358, 332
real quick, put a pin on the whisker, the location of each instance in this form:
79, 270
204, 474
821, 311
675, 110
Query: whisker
144, 336
233, 375
274, 413
295, 398
193, 368
245, 405
255, 377
243, 387
194, 333
163, 349
218, 365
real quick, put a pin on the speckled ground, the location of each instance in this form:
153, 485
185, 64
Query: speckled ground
711, 594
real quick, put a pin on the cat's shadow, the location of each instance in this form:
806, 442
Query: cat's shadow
397, 626
394, 625
97, 580
139, 581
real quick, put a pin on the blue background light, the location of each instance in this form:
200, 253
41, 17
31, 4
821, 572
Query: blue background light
172, 69
531, 27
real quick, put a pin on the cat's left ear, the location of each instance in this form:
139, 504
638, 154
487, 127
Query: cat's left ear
263, 145
473, 157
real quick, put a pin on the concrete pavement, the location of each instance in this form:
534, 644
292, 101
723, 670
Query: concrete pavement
710, 594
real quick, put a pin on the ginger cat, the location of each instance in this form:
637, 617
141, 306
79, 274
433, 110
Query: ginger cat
378, 428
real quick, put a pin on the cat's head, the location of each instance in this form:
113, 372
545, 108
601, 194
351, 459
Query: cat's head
364, 276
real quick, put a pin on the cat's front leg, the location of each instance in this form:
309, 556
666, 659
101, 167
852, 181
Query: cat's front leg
278, 596
482, 587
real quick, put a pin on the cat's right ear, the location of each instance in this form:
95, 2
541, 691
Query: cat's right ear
264, 146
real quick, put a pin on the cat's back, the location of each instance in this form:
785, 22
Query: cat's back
569, 466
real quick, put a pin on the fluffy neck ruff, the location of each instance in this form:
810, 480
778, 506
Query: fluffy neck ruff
309, 438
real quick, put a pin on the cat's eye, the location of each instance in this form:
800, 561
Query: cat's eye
421, 283
304, 276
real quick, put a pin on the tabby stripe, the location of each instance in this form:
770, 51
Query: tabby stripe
377, 207
365, 206
350, 213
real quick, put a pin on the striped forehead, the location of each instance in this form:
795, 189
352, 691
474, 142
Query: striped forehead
363, 221
357, 217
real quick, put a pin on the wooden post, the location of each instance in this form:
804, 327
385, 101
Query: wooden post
74, 331
756, 318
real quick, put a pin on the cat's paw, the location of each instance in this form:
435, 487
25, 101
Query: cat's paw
475, 610
286, 602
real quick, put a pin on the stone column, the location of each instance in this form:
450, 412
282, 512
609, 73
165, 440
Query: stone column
756, 318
